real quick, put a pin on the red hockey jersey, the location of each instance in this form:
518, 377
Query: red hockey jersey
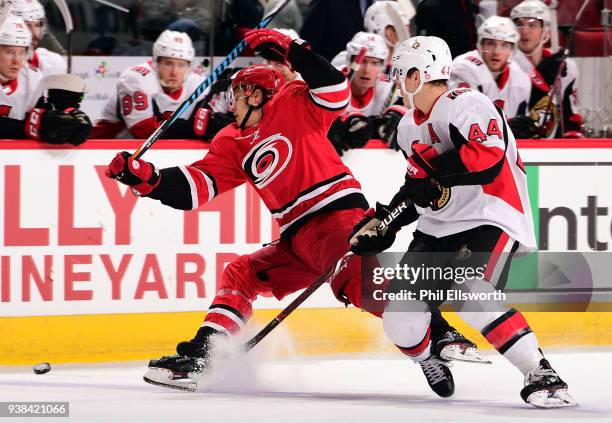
286, 157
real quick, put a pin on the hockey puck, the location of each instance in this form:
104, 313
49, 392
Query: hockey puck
42, 368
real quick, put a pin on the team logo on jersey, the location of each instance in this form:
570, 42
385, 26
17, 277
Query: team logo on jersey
267, 159
543, 114
442, 200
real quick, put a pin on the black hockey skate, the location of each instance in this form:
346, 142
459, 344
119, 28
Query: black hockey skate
181, 370
454, 346
439, 376
545, 389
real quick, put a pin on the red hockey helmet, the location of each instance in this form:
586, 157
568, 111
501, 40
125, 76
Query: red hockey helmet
265, 77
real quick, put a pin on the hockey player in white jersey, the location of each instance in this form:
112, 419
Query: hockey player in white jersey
376, 20
19, 81
468, 191
26, 110
368, 110
147, 94
490, 70
33, 14
532, 18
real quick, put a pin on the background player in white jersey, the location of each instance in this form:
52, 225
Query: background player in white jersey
147, 94
370, 90
376, 20
532, 18
19, 81
489, 69
33, 14
54, 118
467, 181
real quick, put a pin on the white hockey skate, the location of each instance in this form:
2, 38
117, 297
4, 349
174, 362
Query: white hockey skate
454, 346
545, 389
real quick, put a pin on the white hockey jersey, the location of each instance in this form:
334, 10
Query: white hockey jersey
505, 201
20, 95
510, 91
49, 62
573, 119
140, 102
374, 101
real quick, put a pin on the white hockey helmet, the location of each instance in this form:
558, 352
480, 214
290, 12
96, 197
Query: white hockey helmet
498, 28
376, 18
534, 9
373, 43
173, 44
15, 32
431, 56
28, 10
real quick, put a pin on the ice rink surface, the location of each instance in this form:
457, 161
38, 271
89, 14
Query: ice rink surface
351, 389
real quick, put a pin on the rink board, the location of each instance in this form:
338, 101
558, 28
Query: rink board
90, 273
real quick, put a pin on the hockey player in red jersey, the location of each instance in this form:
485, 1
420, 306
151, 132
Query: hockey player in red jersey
532, 18
490, 68
368, 114
278, 145
147, 94
469, 190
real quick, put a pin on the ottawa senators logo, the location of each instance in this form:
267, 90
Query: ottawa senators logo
267, 159
539, 111
442, 200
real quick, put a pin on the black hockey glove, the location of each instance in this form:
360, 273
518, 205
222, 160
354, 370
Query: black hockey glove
366, 239
386, 125
58, 127
351, 130
523, 127
549, 66
376, 232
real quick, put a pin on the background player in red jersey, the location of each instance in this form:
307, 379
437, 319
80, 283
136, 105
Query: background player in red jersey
278, 145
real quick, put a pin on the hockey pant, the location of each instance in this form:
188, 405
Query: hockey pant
291, 265
488, 251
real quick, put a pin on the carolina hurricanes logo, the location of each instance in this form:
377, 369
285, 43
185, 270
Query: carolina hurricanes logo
267, 159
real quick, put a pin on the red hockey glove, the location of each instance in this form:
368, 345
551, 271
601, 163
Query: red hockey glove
207, 123
420, 186
143, 177
271, 44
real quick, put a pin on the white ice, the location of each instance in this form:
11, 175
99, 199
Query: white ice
350, 389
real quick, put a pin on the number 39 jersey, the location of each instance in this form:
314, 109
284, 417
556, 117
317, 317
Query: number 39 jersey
485, 140
141, 102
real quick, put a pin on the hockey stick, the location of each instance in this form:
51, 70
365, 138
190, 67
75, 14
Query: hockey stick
242, 45
67, 17
113, 5
408, 8
556, 88
5, 12
402, 35
327, 276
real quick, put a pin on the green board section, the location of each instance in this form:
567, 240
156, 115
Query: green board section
524, 271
